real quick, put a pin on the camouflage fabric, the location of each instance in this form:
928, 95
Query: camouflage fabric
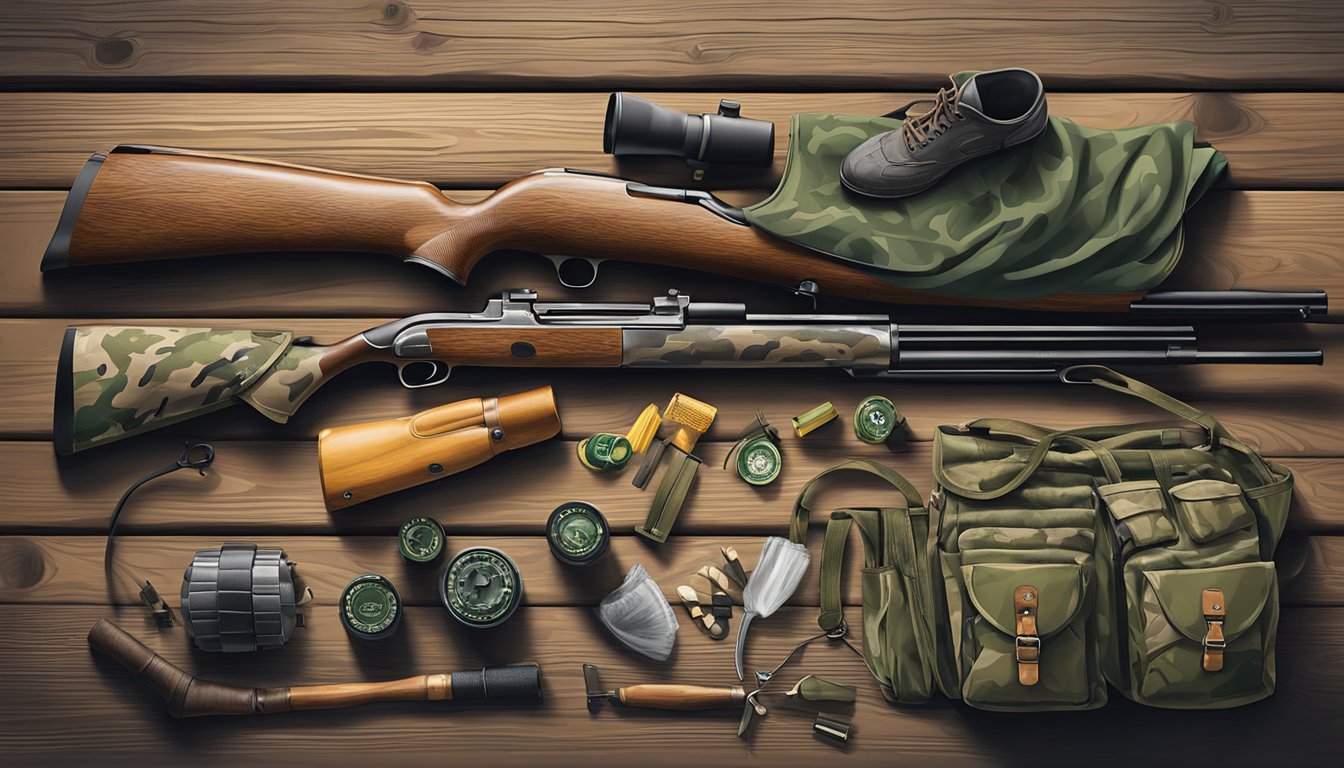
717, 346
116, 381
1075, 210
1116, 533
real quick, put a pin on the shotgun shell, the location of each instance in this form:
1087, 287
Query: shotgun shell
605, 451
420, 540
875, 420
577, 533
481, 587
370, 607
812, 420
759, 461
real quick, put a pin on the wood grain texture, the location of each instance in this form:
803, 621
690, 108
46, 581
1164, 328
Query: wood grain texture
616, 43
1236, 239
271, 488
468, 140
1287, 424
551, 347
68, 569
77, 706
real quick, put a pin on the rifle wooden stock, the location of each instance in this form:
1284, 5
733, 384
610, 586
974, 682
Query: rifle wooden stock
188, 696
148, 203
363, 461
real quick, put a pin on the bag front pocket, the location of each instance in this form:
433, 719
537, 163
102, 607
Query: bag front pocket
1138, 513
1204, 638
1029, 644
1209, 509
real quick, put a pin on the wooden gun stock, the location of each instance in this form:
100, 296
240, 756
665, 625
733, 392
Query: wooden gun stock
364, 461
150, 203
188, 696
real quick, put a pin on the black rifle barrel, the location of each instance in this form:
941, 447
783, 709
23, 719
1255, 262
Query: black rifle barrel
978, 351
1233, 306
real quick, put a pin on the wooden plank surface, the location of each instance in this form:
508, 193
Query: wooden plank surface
617, 43
272, 486
68, 569
479, 140
75, 705
470, 95
1237, 239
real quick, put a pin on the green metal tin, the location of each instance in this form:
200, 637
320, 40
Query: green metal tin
370, 607
605, 451
875, 420
759, 461
420, 540
481, 587
578, 533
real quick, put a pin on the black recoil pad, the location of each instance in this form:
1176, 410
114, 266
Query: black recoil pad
522, 681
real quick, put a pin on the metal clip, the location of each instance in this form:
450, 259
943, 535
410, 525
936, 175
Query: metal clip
158, 607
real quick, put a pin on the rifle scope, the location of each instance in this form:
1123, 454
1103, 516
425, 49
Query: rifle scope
637, 126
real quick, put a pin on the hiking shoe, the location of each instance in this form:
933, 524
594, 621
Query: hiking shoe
988, 113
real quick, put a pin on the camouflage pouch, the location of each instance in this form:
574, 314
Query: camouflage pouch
113, 382
898, 641
1132, 555
1075, 210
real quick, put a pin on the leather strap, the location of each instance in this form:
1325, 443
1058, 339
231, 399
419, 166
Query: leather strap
1026, 604
1214, 606
802, 505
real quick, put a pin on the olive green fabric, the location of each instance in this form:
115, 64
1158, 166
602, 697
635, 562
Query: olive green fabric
116, 381
1075, 210
897, 638
1135, 523
1118, 531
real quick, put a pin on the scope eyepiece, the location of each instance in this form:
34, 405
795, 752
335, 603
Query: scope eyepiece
636, 126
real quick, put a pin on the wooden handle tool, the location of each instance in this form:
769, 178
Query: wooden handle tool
188, 696
665, 695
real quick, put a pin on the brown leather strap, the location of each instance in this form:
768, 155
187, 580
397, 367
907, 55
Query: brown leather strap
1025, 604
1215, 612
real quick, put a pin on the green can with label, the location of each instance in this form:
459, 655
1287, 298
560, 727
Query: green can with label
875, 420
481, 587
578, 533
759, 461
605, 451
370, 607
420, 540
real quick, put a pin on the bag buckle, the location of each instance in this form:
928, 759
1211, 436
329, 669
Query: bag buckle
1027, 644
1214, 606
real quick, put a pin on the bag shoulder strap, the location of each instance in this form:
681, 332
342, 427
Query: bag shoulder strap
1102, 376
802, 505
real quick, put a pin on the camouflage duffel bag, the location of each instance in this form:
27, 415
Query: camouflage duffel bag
1132, 555
1060, 561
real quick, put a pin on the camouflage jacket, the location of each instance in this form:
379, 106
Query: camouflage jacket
1075, 210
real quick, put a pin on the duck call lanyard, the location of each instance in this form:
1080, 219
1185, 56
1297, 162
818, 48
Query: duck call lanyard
198, 457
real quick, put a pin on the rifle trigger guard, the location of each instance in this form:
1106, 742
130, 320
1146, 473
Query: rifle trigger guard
575, 271
437, 373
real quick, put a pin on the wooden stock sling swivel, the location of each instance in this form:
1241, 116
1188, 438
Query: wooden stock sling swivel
188, 696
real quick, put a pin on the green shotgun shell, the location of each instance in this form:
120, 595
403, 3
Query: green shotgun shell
605, 451
759, 461
874, 420
812, 420
370, 607
577, 532
481, 587
420, 540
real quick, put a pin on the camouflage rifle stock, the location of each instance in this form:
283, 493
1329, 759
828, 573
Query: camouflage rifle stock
116, 381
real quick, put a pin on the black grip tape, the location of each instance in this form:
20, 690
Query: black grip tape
516, 682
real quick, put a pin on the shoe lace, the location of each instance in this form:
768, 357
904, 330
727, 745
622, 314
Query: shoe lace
920, 129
